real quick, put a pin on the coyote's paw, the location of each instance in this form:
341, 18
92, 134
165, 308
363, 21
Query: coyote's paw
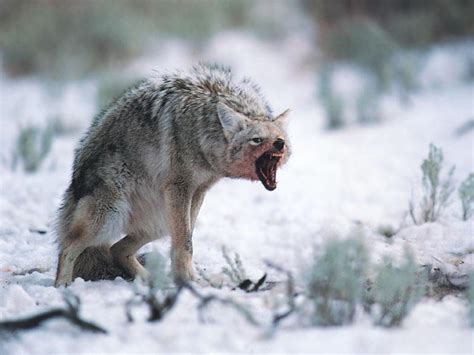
182, 266
182, 275
62, 282
183, 270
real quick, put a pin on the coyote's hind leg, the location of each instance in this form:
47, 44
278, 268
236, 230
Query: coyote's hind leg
73, 245
92, 223
124, 252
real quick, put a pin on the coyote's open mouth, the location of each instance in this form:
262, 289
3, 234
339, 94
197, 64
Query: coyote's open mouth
266, 167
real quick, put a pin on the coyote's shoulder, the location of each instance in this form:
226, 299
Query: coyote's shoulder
145, 164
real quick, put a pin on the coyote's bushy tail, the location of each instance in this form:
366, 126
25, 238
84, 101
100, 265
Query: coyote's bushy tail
65, 216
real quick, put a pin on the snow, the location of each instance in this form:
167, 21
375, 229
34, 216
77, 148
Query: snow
335, 183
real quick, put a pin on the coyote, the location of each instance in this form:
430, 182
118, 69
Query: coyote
143, 168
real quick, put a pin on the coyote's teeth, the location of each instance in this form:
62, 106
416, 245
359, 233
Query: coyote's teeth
266, 167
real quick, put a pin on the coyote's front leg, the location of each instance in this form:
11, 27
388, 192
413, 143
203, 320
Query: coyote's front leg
178, 207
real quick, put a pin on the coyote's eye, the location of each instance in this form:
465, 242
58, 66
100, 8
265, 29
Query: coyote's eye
256, 141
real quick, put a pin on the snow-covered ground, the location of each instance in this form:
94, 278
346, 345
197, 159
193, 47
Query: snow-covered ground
361, 177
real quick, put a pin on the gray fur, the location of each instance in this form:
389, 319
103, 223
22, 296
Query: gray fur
144, 166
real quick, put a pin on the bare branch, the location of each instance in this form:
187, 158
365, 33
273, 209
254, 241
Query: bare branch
290, 294
71, 314
205, 300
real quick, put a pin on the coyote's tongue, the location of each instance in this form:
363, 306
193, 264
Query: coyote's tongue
266, 167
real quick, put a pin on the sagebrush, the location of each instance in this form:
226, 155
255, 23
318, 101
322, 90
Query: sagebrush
70, 39
470, 297
437, 189
335, 281
395, 290
332, 103
33, 145
466, 195
341, 280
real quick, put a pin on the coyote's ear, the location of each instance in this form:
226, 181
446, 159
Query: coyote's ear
231, 120
282, 118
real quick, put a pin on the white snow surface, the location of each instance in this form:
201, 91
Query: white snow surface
358, 178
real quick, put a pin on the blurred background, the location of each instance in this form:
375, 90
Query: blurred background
370, 84
348, 61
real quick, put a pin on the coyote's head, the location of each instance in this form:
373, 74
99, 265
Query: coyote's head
256, 146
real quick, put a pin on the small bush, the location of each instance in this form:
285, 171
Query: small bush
387, 68
470, 297
234, 269
33, 145
336, 284
335, 281
466, 195
412, 23
394, 292
333, 104
155, 291
437, 191
367, 106
364, 43
405, 68
68, 39
159, 279
65, 39
334, 107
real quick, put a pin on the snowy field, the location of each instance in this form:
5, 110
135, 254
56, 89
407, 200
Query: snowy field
356, 178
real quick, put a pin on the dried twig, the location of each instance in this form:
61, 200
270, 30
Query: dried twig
71, 313
236, 273
157, 308
235, 270
290, 294
205, 300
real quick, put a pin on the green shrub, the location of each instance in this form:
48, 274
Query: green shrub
336, 284
33, 145
470, 297
332, 103
387, 67
67, 39
364, 43
159, 279
412, 23
437, 191
466, 195
367, 106
234, 269
334, 112
416, 28
395, 291
335, 281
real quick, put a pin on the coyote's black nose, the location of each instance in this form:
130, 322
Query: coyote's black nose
279, 144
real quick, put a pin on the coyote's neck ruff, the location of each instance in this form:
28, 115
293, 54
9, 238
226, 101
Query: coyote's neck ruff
144, 166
